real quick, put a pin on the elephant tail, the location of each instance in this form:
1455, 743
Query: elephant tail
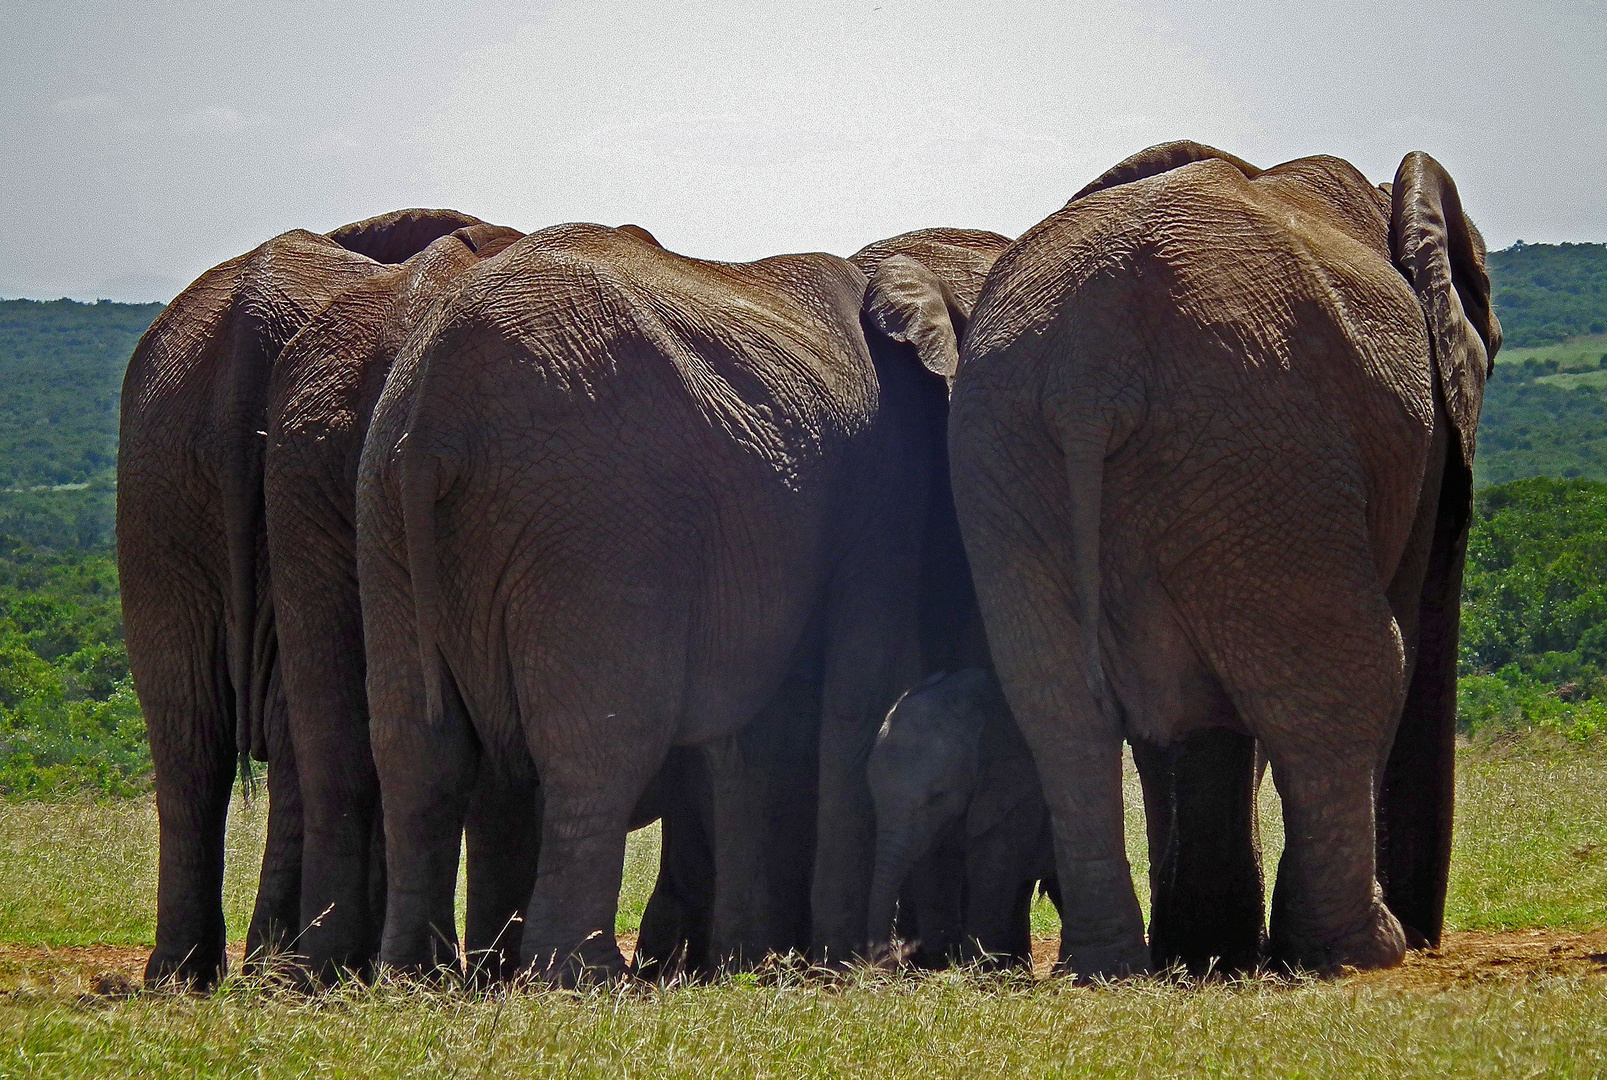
420, 471
1085, 475
247, 609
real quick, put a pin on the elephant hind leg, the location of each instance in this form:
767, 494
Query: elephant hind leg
569, 926
1019, 539
1324, 705
276, 919
1419, 784
502, 835
1207, 899
181, 675
426, 776
675, 937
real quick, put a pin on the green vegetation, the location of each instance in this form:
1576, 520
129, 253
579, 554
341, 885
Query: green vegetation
1547, 293
74, 519
1545, 414
1530, 846
1534, 603
61, 370
68, 714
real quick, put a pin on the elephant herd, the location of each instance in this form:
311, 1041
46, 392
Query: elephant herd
855, 573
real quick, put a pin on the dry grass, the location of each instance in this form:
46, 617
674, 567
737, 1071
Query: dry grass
1532, 826
941, 1025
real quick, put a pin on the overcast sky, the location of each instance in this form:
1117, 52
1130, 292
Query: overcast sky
141, 143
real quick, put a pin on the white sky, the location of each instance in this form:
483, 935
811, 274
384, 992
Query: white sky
141, 143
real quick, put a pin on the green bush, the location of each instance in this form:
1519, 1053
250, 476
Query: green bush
70, 520
1509, 702
54, 745
1534, 609
61, 372
69, 718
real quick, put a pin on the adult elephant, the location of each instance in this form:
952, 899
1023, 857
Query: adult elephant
1212, 437
609, 503
191, 556
321, 396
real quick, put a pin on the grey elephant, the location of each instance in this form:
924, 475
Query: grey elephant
616, 500
321, 395
962, 830
1211, 440
192, 560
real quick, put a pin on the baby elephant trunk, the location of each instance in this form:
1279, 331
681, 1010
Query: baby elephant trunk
896, 856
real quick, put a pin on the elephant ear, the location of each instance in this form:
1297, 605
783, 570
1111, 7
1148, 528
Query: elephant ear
1161, 159
401, 234
1442, 255
910, 304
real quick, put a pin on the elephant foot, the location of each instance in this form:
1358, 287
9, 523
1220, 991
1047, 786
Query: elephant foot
491, 967
1378, 943
836, 955
326, 955
423, 976
596, 961
994, 962
196, 969
313, 972
269, 952
1209, 955
435, 967
1091, 963
891, 955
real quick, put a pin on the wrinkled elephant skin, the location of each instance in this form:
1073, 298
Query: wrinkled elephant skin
192, 559
1211, 440
608, 503
320, 398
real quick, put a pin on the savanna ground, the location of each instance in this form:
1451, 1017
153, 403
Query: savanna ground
1519, 988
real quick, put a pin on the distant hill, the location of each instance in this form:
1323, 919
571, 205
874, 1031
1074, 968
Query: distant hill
61, 370
1538, 421
1545, 410
1548, 293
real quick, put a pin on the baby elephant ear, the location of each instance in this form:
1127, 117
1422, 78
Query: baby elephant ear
1442, 255
910, 304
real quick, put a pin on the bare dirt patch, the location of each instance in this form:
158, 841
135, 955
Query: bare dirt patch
1472, 956
74, 970
1464, 956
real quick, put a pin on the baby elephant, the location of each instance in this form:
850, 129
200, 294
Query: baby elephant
962, 831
